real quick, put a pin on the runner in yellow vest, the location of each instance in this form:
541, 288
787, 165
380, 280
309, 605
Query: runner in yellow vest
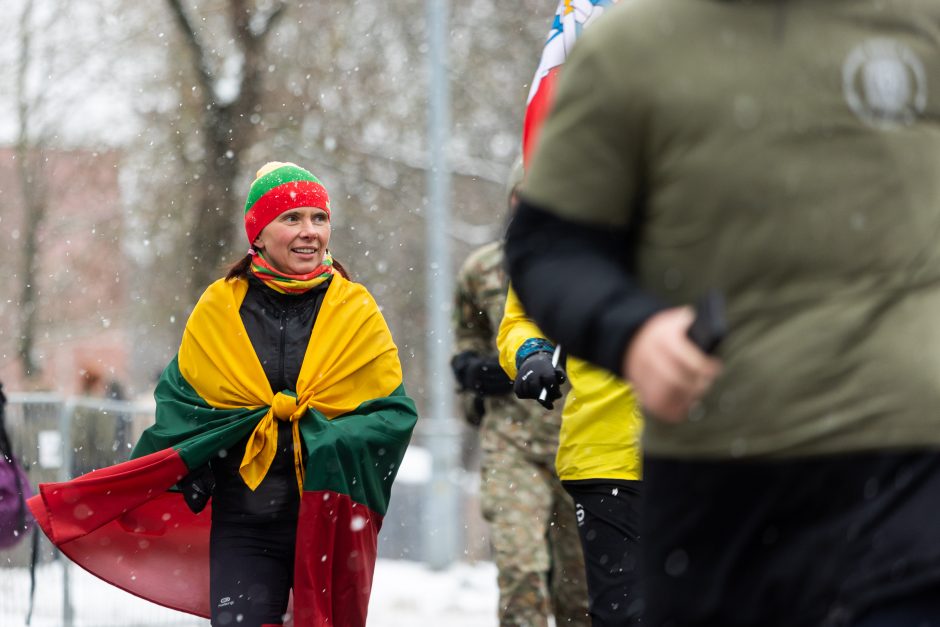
599, 464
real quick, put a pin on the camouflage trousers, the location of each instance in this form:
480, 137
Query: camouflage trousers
535, 543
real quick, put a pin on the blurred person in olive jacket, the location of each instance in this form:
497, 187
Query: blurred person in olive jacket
784, 154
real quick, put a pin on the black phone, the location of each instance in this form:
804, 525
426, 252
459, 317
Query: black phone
710, 325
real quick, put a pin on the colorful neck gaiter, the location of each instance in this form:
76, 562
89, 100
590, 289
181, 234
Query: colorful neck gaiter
290, 283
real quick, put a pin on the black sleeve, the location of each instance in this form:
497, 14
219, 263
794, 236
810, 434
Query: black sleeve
573, 281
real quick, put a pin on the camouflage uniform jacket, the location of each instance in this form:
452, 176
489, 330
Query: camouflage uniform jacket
509, 424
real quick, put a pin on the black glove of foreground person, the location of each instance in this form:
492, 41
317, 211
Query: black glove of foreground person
537, 373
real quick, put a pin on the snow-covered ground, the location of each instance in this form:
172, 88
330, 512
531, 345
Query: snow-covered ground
404, 594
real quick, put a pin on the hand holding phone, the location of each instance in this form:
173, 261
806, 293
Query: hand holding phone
710, 325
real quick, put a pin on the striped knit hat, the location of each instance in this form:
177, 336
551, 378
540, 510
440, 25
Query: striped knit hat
279, 187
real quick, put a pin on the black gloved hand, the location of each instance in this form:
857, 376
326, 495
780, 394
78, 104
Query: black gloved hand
197, 488
480, 374
537, 373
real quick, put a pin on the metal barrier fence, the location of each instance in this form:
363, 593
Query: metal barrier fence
59, 438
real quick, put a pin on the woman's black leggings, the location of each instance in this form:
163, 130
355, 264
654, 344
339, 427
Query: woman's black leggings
251, 570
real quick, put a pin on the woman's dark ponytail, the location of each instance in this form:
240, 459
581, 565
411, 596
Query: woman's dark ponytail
338, 267
239, 269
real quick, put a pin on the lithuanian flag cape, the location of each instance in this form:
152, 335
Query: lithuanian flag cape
125, 524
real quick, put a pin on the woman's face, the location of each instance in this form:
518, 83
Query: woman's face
295, 241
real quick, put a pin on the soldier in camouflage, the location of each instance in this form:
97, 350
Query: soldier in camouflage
532, 520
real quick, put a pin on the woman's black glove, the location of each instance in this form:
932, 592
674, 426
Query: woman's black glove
537, 373
481, 374
197, 487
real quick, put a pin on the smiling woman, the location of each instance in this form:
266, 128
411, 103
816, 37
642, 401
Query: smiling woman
289, 246
280, 427
295, 241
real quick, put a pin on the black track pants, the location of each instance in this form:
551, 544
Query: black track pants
608, 514
921, 610
251, 571
826, 541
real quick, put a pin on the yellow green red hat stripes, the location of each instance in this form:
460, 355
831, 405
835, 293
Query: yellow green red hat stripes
279, 187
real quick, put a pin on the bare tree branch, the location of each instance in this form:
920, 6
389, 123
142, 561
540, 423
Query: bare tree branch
251, 43
269, 20
196, 47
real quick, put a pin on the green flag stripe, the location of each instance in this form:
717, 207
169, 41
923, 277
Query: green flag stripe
357, 454
186, 422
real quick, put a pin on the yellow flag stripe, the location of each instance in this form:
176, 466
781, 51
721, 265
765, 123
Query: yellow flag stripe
349, 360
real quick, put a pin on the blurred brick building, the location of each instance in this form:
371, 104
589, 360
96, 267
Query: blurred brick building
82, 341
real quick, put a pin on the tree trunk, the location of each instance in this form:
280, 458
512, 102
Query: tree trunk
29, 171
34, 210
226, 131
212, 236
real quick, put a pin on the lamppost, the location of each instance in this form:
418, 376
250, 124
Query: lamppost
442, 498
